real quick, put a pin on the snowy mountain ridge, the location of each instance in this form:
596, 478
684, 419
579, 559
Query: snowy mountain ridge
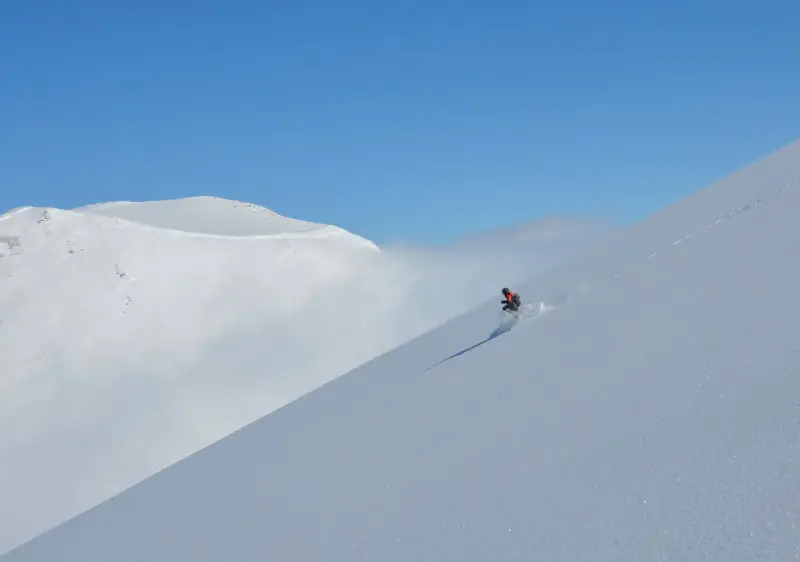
652, 416
133, 334
107, 316
215, 216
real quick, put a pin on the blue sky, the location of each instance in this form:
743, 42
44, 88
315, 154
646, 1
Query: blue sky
402, 121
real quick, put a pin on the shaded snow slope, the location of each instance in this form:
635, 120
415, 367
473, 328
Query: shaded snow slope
134, 334
653, 415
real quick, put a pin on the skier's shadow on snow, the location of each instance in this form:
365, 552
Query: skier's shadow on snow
502, 329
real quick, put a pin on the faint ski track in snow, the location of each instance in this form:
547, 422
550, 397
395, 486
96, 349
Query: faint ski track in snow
546, 307
653, 255
721, 220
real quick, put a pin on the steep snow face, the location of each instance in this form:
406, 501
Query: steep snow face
651, 415
133, 334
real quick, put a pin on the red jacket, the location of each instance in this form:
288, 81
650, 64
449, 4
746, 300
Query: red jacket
512, 298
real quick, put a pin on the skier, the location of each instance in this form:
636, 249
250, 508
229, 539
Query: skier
512, 302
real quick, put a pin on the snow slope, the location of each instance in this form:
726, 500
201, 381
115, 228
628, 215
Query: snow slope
653, 415
106, 314
133, 334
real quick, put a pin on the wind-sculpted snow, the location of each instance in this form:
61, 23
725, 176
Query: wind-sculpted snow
207, 215
652, 414
132, 335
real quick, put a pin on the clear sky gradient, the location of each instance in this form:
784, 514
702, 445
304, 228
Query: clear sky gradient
399, 120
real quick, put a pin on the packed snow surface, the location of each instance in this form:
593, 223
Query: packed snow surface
134, 334
652, 413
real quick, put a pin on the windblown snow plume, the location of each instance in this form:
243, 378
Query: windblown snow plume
133, 334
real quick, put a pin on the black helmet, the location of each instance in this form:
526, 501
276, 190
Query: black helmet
505, 290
